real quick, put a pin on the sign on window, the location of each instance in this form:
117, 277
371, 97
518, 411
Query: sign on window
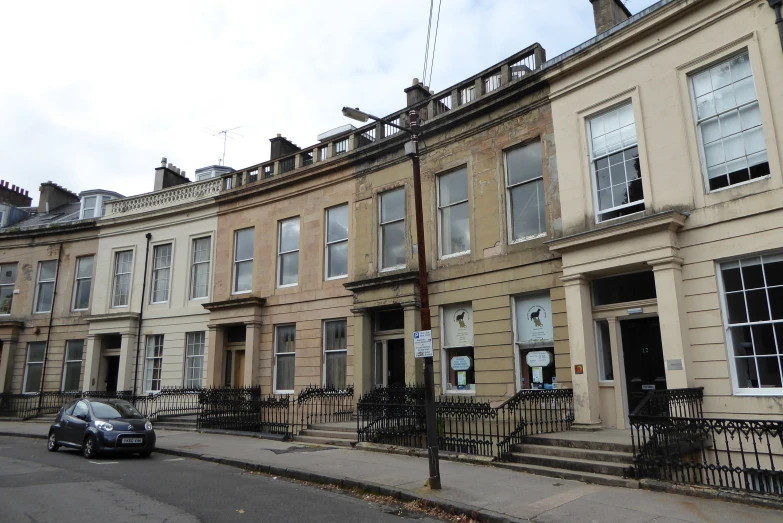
534, 318
458, 325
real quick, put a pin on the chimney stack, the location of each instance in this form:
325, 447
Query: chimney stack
53, 196
168, 175
14, 195
608, 13
281, 146
417, 92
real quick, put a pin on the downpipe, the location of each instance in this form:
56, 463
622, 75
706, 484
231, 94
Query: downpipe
777, 5
141, 316
49, 330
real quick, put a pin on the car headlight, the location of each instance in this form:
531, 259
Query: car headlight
103, 425
148, 426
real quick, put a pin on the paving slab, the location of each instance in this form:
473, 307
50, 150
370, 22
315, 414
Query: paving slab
494, 494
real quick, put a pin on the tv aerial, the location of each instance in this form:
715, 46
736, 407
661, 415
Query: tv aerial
227, 133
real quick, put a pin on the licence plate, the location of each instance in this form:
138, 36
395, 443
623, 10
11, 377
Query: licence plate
132, 441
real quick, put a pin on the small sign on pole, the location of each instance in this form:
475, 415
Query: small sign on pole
422, 344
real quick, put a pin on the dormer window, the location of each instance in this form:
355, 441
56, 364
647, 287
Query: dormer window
93, 204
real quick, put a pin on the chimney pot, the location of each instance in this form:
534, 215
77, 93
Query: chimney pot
163, 161
415, 81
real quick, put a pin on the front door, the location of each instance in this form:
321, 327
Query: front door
643, 356
396, 362
239, 368
112, 372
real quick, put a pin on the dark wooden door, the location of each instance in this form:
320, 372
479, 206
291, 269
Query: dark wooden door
643, 356
112, 372
396, 362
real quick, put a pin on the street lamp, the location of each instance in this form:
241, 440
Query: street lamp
424, 311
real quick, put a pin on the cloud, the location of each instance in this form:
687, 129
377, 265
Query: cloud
100, 91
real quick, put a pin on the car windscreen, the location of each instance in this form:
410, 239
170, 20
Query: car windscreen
115, 410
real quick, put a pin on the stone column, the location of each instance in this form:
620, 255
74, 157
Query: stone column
215, 359
674, 324
619, 375
92, 363
128, 362
581, 341
414, 369
362, 353
252, 353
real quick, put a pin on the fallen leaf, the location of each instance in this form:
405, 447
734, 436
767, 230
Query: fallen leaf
241, 511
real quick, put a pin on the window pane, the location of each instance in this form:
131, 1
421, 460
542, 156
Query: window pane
337, 223
45, 291
74, 350
200, 283
393, 247
285, 372
289, 235
763, 340
758, 309
752, 275
732, 279
769, 372
453, 187
8, 274
36, 352
201, 249
455, 229
160, 285
773, 269
84, 267
462, 379
624, 288
289, 268
335, 369
72, 379
47, 270
6, 299
393, 205
161, 256
285, 339
524, 163
243, 244
604, 347
335, 335
338, 260
244, 276
33, 379
527, 213
735, 303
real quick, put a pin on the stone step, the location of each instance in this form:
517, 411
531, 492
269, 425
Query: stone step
580, 465
335, 442
160, 426
585, 443
569, 452
335, 427
588, 477
319, 433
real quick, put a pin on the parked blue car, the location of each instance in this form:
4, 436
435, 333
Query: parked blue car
102, 426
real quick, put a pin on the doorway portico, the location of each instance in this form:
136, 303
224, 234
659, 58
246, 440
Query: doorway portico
626, 315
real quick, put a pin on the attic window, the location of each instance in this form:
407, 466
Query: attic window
88, 206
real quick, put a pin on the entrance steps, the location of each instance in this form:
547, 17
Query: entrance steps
180, 423
602, 457
336, 434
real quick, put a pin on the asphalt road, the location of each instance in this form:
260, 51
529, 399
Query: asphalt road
63, 487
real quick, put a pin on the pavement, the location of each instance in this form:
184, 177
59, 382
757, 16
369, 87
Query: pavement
486, 493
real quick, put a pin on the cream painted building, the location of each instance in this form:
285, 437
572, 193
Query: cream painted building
672, 207
153, 272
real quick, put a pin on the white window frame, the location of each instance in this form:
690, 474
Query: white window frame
243, 260
382, 224
442, 256
77, 283
28, 363
154, 360
698, 123
116, 275
509, 201
192, 342
66, 361
39, 282
94, 208
323, 153
593, 177
276, 354
328, 244
3, 267
281, 254
194, 264
335, 351
730, 353
157, 272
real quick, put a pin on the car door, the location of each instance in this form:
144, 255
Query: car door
64, 421
77, 423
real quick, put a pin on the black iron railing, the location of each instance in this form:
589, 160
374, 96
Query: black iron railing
725, 453
466, 424
28, 406
676, 403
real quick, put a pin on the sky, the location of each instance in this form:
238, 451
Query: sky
93, 94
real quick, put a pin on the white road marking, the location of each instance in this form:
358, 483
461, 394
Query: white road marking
104, 462
175, 459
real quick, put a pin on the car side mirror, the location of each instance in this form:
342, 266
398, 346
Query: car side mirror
82, 417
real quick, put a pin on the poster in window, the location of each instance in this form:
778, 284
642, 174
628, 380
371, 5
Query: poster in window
534, 318
458, 325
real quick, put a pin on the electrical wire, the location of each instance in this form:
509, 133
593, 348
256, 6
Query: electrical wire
435, 43
427, 47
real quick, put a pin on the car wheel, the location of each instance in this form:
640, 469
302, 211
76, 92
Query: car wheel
89, 447
146, 454
52, 443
